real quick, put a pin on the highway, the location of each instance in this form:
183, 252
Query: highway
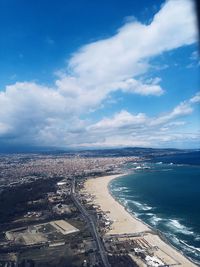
92, 226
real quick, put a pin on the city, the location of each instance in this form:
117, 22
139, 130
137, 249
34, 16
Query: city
49, 217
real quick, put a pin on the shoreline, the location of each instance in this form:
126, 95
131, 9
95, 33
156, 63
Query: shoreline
153, 229
124, 222
132, 214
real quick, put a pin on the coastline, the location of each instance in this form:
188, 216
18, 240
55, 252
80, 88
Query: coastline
150, 228
156, 231
125, 223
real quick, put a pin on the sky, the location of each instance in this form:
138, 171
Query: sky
99, 74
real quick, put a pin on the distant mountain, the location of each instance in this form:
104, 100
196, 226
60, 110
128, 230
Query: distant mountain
108, 152
134, 151
25, 149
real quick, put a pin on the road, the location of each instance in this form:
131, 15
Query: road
92, 226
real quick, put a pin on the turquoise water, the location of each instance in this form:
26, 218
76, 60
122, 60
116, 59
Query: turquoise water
167, 197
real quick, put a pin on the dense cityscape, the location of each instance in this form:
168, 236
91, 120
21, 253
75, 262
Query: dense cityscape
28, 220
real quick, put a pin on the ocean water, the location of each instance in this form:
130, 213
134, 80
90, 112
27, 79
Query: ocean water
167, 197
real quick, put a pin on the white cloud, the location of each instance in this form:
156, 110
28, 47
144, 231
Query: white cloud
134, 86
113, 63
36, 114
182, 109
124, 119
194, 56
45, 116
4, 128
124, 128
196, 98
194, 60
119, 120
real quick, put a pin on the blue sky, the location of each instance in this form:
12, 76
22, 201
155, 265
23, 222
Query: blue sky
85, 74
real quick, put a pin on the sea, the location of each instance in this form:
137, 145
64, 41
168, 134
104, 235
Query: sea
165, 193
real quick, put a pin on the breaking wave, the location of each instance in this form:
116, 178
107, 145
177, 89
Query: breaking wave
193, 248
177, 227
120, 189
154, 220
186, 248
141, 206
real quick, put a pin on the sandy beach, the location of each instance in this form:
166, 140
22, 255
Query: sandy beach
124, 222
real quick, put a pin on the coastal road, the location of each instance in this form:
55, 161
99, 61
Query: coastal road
92, 226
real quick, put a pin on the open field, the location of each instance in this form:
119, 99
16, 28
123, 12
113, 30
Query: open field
41, 233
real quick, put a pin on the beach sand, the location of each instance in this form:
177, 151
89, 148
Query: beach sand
124, 222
